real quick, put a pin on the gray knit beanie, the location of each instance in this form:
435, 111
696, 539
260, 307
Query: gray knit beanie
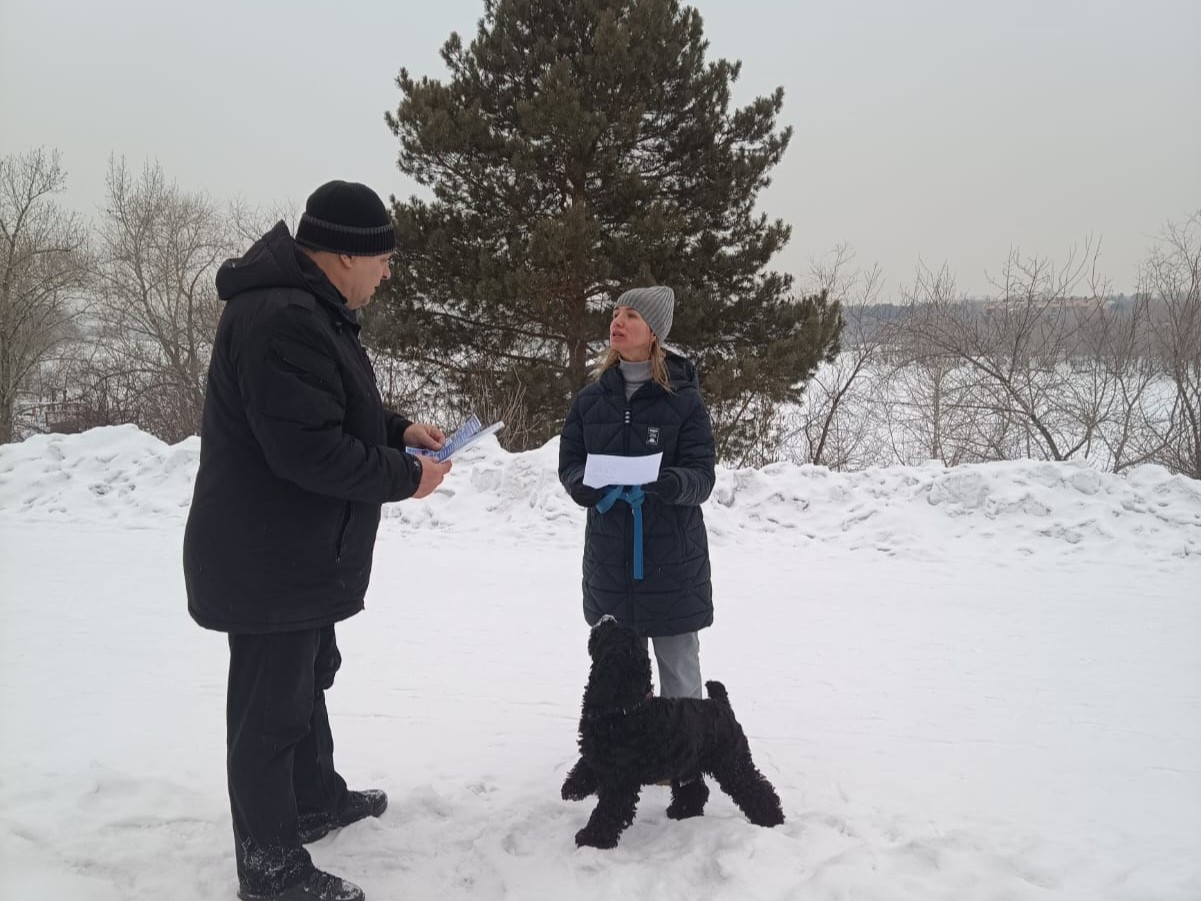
655, 304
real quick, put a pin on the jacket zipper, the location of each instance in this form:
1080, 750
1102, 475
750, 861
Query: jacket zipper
625, 443
342, 534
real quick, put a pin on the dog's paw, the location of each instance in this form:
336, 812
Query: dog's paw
579, 784
688, 799
767, 818
592, 838
575, 791
763, 808
573, 795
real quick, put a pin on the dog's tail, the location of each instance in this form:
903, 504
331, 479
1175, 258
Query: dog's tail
717, 692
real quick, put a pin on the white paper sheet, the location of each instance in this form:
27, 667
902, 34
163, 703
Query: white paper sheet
606, 469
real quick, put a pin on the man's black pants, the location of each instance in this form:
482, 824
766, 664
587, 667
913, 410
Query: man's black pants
280, 752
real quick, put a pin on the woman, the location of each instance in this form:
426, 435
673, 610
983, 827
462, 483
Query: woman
646, 400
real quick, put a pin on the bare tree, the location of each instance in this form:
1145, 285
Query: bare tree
931, 399
160, 249
248, 222
43, 269
1121, 363
1018, 346
1172, 281
833, 424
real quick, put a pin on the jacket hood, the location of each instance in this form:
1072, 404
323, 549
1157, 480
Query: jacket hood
276, 261
681, 372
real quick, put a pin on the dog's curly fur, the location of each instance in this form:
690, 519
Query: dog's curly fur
628, 739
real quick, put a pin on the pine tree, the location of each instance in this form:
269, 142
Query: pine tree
580, 148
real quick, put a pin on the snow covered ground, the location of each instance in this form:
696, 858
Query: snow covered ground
975, 683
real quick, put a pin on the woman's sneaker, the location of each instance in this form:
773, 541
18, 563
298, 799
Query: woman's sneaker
317, 886
357, 806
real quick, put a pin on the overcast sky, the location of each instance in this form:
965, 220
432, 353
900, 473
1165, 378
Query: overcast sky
945, 131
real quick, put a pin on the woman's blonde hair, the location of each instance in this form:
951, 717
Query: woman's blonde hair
658, 365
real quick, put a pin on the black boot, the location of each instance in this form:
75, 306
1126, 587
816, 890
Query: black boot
317, 886
357, 806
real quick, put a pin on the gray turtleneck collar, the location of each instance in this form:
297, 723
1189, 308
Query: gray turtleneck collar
635, 374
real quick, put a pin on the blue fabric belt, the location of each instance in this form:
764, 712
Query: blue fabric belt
632, 495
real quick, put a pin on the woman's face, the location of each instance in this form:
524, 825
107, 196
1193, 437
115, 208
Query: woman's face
630, 336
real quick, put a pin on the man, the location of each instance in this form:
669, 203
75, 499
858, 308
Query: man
297, 453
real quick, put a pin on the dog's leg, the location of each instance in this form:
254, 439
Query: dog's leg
581, 782
750, 790
614, 812
688, 798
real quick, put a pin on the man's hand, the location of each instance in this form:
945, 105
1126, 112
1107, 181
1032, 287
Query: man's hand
422, 434
432, 473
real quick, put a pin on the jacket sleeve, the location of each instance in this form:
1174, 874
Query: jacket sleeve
295, 404
396, 429
572, 454
696, 457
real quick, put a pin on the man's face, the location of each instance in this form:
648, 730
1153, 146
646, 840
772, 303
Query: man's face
363, 275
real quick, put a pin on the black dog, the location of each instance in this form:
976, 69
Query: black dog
628, 739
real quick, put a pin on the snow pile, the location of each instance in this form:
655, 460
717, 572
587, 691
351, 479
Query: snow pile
122, 475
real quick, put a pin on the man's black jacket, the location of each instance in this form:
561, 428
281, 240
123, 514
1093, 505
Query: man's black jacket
297, 453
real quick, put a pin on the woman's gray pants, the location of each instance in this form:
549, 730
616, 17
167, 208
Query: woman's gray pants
679, 658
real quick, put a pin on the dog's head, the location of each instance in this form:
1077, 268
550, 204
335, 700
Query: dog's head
621, 667
609, 636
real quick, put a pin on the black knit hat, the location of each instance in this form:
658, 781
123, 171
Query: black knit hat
346, 217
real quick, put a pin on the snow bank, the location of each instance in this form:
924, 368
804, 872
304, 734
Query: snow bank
123, 476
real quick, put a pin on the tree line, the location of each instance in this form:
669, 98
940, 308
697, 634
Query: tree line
106, 322
1054, 366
